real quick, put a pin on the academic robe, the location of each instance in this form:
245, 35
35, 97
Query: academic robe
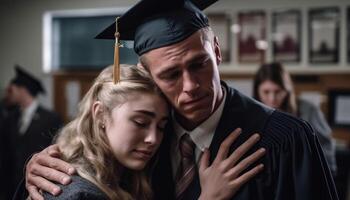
5, 169
38, 136
295, 167
313, 114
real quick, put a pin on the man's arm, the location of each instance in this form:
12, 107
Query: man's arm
297, 167
44, 168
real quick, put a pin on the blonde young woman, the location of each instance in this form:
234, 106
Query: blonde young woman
114, 122
117, 132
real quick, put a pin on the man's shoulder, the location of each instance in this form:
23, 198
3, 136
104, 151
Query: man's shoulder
283, 128
44, 111
241, 102
245, 112
289, 121
79, 188
49, 115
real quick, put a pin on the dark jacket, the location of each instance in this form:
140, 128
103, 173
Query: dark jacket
78, 189
38, 136
312, 114
5, 157
295, 167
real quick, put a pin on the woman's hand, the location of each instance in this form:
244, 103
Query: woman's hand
223, 178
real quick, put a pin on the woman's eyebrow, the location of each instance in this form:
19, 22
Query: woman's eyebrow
151, 114
146, 112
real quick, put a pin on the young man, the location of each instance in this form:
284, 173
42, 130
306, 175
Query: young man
178, 48
29, 127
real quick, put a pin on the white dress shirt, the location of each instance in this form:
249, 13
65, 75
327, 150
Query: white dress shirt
27, 115
202, 135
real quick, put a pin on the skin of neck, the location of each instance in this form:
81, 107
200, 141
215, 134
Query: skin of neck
26, 100
189, 124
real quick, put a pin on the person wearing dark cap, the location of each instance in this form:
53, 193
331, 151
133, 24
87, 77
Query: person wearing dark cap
178, 48
31, 126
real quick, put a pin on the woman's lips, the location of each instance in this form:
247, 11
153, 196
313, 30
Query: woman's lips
143, 154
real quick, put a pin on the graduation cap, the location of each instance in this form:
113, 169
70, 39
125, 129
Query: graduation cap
153, 24
28, 81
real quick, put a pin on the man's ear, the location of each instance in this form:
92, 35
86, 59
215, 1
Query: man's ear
217, 51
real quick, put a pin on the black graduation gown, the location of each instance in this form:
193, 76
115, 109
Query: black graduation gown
295, 167
5, 168
38, 136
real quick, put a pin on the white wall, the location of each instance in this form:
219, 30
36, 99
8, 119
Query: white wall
21, 27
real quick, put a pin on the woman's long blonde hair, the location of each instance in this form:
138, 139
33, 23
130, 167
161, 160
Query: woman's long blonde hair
84, 143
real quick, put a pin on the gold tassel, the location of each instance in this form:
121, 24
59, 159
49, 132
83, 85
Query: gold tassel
116, 68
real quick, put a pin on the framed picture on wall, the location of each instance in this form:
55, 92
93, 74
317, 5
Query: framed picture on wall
324, 35
339, 108
252, 42
286, 35
221, 23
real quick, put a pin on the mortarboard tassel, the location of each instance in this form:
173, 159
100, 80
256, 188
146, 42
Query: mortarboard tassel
116, 70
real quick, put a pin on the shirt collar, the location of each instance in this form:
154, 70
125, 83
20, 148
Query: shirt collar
30, 110
203, 134
27, 116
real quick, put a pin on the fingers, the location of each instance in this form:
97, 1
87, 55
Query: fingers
45, 185
248, 175
204, 162
242, 149
226, 144
42, 166
245, 163
55, 164
34, 193
50, 174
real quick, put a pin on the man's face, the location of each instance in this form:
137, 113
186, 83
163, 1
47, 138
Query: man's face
13, 94
187, 73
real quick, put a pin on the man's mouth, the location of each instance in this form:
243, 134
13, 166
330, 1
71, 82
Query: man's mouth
192, 101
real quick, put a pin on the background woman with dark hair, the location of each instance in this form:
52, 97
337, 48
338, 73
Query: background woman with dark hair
273, 86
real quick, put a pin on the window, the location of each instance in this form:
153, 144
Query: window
69, 42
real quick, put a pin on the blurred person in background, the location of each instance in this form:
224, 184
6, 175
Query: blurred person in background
5, 170
273, 86
27, 128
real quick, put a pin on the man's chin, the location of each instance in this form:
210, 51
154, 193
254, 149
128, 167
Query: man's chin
197, 116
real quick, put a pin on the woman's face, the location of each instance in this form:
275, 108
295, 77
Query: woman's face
271, 94
135, 129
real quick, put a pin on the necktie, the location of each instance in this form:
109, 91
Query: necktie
187, 168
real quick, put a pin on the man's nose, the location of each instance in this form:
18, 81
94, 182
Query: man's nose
189, 82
